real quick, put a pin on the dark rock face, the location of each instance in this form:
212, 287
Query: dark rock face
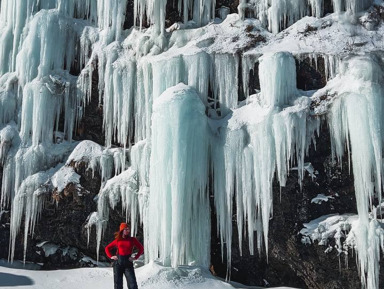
231, 4
62, 223
316, 268
291, 263
328, 7
310, 75
91, 126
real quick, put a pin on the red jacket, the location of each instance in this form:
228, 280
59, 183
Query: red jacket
125, 247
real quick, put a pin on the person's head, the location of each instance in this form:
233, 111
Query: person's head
124, 231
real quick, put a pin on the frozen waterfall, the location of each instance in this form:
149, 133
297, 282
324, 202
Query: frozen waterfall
259, 137
182, 126
178, 216
356, 122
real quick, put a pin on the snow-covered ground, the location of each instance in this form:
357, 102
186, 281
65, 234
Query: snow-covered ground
149, 276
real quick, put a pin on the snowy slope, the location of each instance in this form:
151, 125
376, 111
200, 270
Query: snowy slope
149, 276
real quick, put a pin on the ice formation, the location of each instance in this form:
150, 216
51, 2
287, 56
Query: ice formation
170, 99
177, 217
356, 122
261, 138
123, 189
202, 11
28, 202
279, 14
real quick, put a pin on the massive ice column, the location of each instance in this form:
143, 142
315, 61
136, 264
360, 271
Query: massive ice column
356, 122
177, 224
277, 79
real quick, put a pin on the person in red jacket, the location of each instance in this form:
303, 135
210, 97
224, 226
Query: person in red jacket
123, 262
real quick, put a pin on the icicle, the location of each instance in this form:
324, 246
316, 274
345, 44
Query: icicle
124, 80
352, 6
42, 105
7, 135
356, 119
279, 14
317, 7
27, 187
8, 99
106, 86
23, 162
8, 138
331, 63
227, 159
140, 160
157, 75
286, 12
167, 73
259, 8
242, 8
202, 12
154, 11
112, 163
14, 16
248, 64
29, 203
293, 135
198, 71
108, 162
48, 45
144, 100
225, 81
84, 82
338, 5
122, 188
375, 236
87, 40
278, 79
259, 138
111, 17
178, 201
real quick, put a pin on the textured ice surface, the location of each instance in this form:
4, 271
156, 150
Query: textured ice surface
177, 218
180, 132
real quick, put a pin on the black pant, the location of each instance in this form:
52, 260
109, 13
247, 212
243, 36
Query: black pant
124, 266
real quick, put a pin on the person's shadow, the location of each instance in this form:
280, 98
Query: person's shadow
10, 280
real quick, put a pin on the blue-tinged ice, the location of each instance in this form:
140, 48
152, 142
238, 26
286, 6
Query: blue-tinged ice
279, 14
178, 200
356, 123
264, 137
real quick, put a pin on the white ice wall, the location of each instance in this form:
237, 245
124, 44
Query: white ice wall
277, 79
254, 142
178, 216
356, 123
